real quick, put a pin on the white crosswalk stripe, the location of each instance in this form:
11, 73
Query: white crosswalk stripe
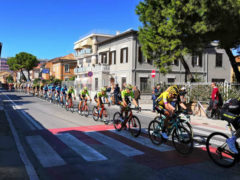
144, 141
114, 144
82, 149
46, 155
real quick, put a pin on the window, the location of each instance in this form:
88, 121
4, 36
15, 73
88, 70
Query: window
123, 81
124, 55
112, 57
176, 62
103, 58
96, 84
218, 80
197, 60
218, 60
171, 80
66, 68
143, 84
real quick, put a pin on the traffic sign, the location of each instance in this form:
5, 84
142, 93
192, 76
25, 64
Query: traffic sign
90, 73
153, 73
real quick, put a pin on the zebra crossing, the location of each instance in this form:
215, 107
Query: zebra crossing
83, 145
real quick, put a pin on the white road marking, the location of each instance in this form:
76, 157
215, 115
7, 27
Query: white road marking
35, 124
144, 141
46, 155
114, 144
82, 149
29, 167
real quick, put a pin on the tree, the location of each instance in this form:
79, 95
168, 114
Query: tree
27, 61
23, 61
190, 26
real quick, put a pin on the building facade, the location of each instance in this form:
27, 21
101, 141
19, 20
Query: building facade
88, 64
119, 59
3, 65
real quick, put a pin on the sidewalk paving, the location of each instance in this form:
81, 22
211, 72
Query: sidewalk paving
11, 165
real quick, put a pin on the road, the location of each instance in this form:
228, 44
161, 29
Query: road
64, 145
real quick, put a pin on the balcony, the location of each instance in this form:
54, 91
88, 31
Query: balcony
96, 68
83, 52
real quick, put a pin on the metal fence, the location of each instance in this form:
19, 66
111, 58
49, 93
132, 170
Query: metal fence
202, 91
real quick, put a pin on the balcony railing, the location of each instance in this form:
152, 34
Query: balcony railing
96, 68
83, 52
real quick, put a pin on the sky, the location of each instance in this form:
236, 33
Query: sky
49, 28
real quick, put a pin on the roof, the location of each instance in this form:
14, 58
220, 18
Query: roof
67, 57
92, 35
126, 33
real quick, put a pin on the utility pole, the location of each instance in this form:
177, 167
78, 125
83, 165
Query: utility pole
0, 49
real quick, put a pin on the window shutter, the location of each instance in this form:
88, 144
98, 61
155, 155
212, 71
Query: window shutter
200, 60
126, 55
121, 56
193, 61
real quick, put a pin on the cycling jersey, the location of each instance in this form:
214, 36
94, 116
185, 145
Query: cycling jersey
164, 98
84, 93
58, 88
45, 88
63, 90
125, 95
70, 91
100, 94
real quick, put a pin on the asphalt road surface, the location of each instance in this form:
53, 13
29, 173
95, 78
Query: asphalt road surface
64, 145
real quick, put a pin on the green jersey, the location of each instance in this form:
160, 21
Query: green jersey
84, 93
124, 94
70, 91
99, 95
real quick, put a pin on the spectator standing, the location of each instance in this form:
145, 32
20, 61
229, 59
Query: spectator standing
214, 98
137, 94
155, 93
116, 93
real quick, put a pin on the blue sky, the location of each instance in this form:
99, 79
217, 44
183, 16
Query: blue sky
48, 28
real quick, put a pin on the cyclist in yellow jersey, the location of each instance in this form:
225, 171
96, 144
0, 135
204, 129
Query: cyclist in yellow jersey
164, 104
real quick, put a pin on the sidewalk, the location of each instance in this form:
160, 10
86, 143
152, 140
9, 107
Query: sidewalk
11, 165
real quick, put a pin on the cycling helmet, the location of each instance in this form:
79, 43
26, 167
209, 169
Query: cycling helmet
173, 90
104, 89
129, 86
85, 88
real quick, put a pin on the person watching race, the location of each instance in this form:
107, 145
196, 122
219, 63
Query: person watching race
164, 104
125, 94
84, 95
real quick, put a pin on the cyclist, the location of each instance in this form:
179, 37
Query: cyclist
70, 95
125, 94
178, 102
231, 113
63, 94
98, 98
58, 89
164, 104
84, 95
45, 88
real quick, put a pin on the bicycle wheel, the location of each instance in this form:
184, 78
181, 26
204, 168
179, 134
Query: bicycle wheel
154, 131
218, 150
95, 113
182, 140
187, 125
106, 116
134, 126
117, 121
